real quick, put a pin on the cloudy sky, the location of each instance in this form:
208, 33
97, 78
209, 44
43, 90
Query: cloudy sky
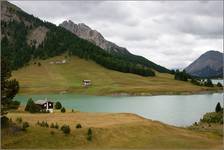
172, 34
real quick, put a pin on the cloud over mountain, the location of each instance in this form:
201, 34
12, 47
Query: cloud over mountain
172, 34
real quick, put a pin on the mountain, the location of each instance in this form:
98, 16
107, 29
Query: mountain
25, 37
85, 32
208, 65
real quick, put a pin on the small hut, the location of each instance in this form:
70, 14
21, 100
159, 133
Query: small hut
86, 82
46, 105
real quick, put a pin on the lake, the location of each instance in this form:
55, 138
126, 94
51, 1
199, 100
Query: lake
179, 110
215, 81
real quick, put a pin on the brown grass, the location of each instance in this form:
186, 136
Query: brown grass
110, 130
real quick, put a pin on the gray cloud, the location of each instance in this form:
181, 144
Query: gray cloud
170, 33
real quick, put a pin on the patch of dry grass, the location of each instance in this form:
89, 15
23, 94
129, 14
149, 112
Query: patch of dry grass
110, 130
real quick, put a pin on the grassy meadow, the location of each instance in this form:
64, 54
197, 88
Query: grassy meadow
110, 130
56, 78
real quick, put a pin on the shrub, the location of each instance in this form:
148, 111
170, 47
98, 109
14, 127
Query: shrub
78, 126
213, 117
19, 120
89, 134
56, 126
44, 124
38, 123
39, 64
218, 108
65, 129
72, 110
14, 104
58, 105
195, 123
52, 125
63, 110
25, 125
34, 108
52, 133
219, 84
4, 122
209, 83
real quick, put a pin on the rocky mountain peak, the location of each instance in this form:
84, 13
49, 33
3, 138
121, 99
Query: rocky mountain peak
85, 32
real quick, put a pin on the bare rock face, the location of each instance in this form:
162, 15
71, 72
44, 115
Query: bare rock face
9, 13
85, 32
209, 64
37, 36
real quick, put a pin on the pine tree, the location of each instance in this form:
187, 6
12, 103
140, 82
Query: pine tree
218, 108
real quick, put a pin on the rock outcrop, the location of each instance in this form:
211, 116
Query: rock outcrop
85, 32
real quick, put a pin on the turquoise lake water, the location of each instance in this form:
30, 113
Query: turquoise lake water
215, 81
179, 110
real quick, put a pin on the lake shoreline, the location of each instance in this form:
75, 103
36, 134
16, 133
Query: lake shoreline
135, 94
166, 93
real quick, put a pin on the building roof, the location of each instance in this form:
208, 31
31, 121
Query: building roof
86, 80
42, 101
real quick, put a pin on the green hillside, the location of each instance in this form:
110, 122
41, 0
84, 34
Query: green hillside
56, 78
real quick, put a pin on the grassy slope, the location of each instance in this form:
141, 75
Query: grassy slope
50, 78
110, 130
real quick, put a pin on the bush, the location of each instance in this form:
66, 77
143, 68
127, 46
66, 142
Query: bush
195, 82
34, 108
14, 104
65, 129
72, 110
25, 125
218, 108
52, 133
78, 126
38, 123
19, 120
213, 117
56, 126
52, 125
63, 110
44, 124
4, 122
89, 134
219, 84
39, 64
58, 105
208, 83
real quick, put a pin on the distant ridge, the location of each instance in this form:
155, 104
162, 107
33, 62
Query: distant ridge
208, 65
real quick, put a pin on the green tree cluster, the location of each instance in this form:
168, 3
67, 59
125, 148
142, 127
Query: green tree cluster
181, 75
9, 88
208, 83
32, 107
58, 105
